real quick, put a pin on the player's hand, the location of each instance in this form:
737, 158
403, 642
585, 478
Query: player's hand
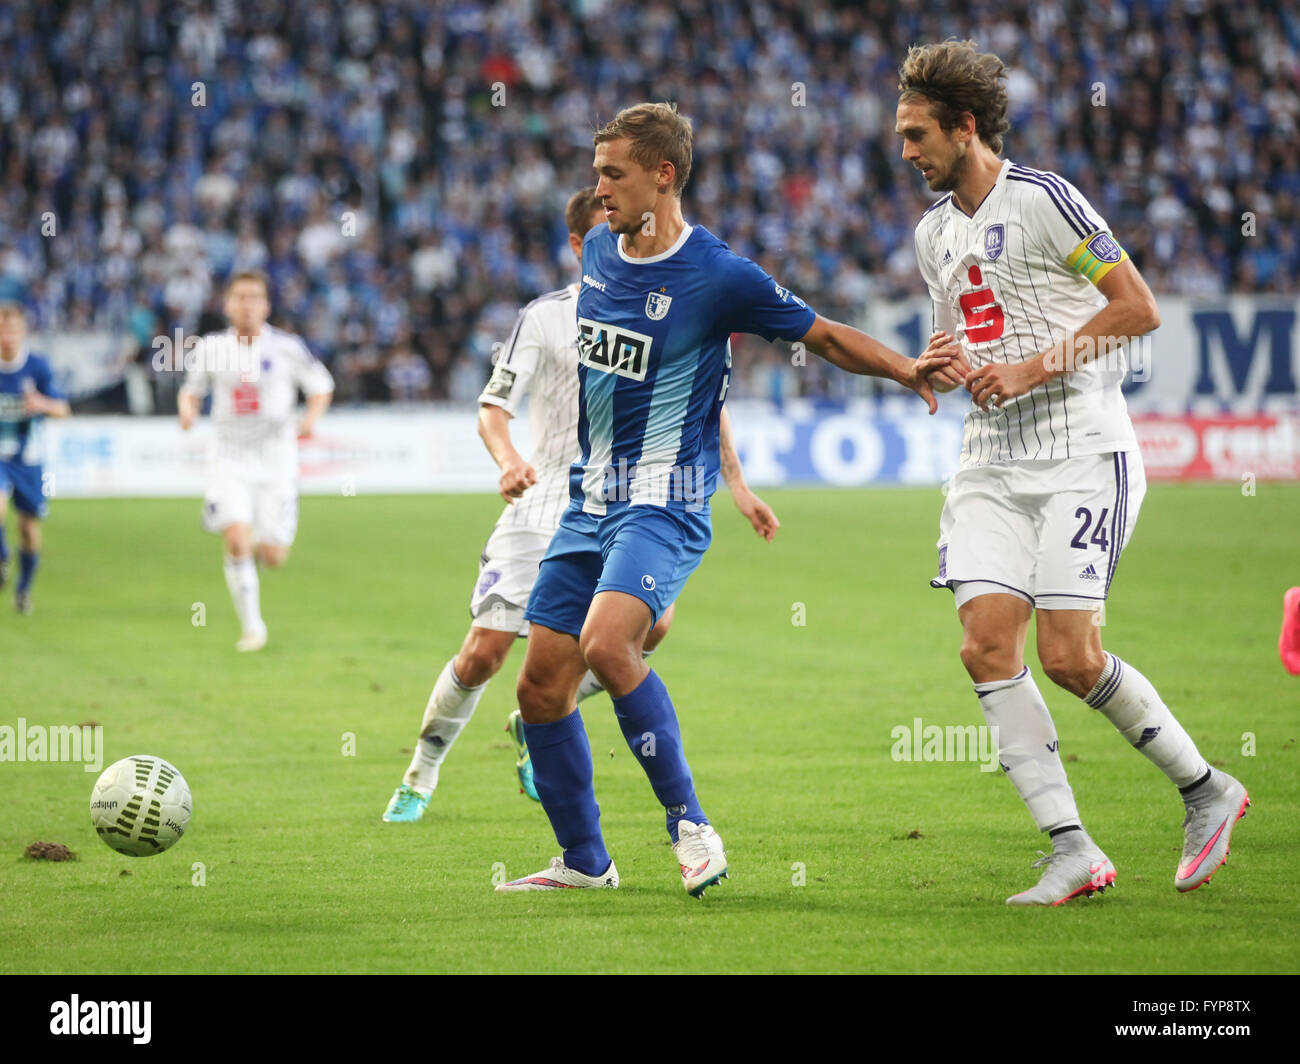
758, 513
186, 419
305, 428
953, 374
939, 354
998, 382
516, 478
35, 403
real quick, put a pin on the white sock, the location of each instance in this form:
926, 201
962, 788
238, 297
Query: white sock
592, 686
589, 686
1126, 698
1028, 749
450, 706
241, 579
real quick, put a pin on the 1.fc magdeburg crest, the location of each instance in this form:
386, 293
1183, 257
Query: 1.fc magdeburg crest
656, 305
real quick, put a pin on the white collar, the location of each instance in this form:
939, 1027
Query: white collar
677, 246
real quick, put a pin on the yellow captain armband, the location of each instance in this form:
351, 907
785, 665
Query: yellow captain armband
1096, 257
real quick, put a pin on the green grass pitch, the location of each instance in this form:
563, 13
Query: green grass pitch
842, 859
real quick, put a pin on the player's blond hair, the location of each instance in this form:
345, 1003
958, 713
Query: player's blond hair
656, 133
581, 206
956, 78
256, 276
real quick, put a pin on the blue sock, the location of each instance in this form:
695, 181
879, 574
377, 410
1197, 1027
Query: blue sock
4, 545
26, 568
563, 775
649, 725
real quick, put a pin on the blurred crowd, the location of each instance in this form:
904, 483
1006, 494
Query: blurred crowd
399, 168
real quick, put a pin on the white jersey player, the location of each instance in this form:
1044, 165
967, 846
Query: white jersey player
1029, 279
253, 371
539, 360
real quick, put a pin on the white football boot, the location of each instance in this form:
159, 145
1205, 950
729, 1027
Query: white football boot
700, 855
254, 640
561, 877
1212, 810
1073, 868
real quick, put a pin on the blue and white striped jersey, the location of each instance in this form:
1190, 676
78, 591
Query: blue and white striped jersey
22, 436
654, 364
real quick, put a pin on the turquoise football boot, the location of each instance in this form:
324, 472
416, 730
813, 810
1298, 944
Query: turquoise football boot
524, 764
406, 806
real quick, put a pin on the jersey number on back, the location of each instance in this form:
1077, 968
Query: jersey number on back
984, 318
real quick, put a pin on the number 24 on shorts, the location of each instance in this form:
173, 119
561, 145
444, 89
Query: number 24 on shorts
1081, 539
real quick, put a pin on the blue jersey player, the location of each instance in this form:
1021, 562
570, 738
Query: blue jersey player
27, 397
658, 302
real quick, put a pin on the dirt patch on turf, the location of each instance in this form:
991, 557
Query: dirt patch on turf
49, 851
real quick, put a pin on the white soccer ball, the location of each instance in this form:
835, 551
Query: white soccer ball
140, 806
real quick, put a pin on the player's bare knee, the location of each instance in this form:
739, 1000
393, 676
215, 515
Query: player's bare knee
538, 702
29, 533
1073, 670
988, 658
482, 656
271, 556
608, 657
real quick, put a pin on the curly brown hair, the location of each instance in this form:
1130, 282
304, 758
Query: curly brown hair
657, 133
959, 79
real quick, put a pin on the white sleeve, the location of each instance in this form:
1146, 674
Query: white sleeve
517, 363
1061, 220
198, 380
312, 376
941, 315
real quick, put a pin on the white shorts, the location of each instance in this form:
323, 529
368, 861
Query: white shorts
506, 574
1048, 532
268, 505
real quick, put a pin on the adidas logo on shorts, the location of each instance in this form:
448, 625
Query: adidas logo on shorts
1089, 573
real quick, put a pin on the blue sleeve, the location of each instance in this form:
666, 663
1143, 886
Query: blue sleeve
754, 303
44, 376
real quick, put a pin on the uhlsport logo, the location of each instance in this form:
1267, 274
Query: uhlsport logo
102, 1017
648, 582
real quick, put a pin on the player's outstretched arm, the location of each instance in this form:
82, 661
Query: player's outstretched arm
317, 404
36, 403
494, 430
855, 351
756, 511
187, 407
1130, 312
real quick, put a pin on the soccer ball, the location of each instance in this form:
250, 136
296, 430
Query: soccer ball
140, 805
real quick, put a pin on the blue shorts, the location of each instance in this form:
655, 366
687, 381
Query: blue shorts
24, 482
645, 551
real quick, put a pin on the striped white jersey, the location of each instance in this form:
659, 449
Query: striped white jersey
254, 388
1012, 281
541, 357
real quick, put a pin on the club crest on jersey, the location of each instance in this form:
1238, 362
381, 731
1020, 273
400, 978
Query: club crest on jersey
994, 240
656, 305
1105, 248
